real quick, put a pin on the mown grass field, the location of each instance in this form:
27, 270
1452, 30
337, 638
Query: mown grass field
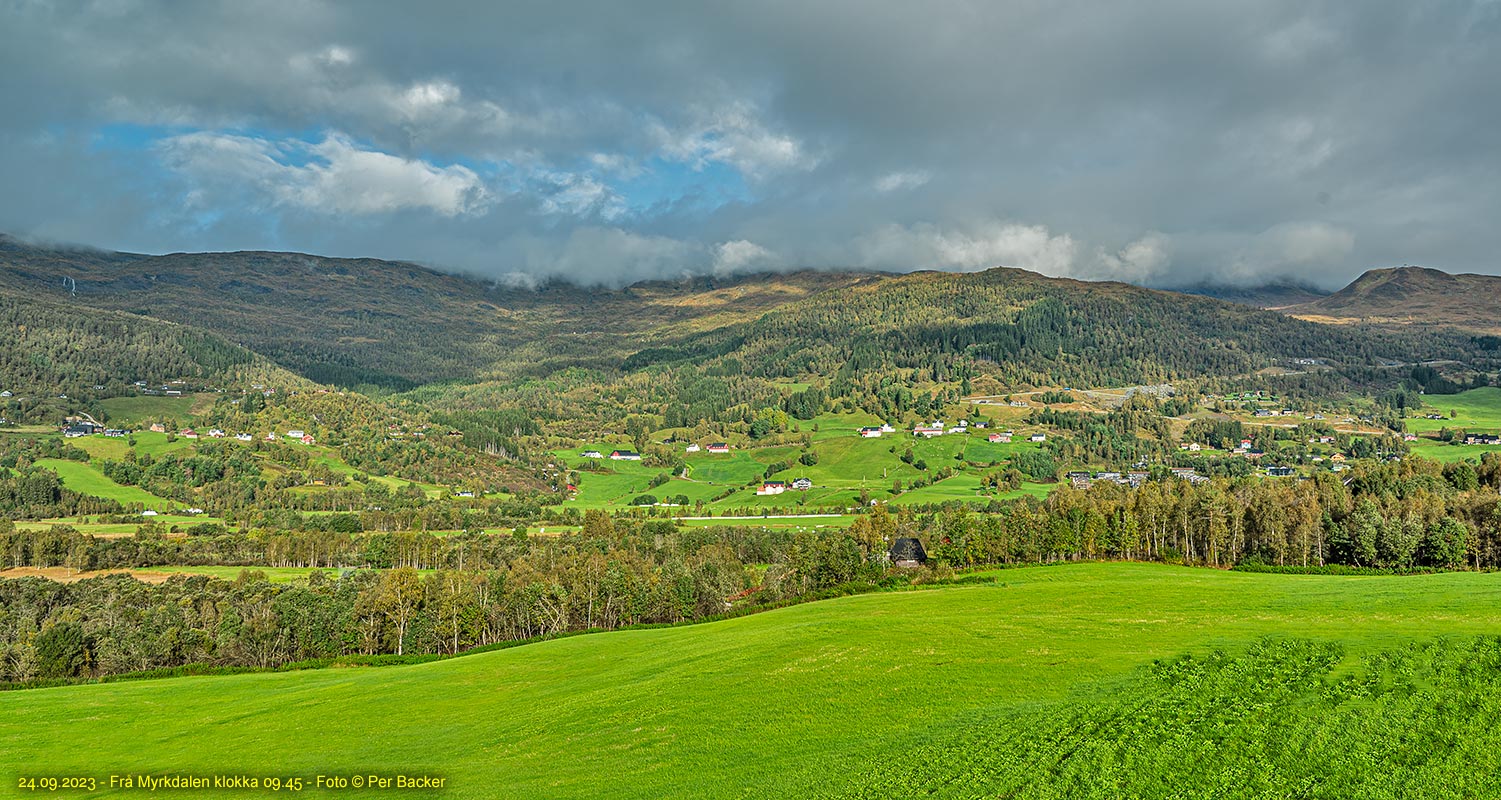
133, 411
1440, 451
87, 479
1474, 410
1040, 686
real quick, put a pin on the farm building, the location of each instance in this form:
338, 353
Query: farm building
907, 552
719, 447
927, 431
1002, 438
870, 432
624, 455
772, 487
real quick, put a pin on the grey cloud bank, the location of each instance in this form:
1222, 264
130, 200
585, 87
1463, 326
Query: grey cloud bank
1158, 142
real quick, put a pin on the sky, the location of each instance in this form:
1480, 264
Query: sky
1160, 142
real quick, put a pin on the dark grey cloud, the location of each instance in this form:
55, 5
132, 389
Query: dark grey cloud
1159, 142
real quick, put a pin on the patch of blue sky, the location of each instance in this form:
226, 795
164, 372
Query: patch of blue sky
663, 184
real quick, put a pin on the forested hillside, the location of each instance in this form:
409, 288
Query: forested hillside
393, 324
1027, 329
50, 350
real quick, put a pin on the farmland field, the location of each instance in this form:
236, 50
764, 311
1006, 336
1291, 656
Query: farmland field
1440, 451
1087, 680
133, 411
1474, 410
86, 479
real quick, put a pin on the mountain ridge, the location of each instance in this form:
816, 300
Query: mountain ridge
1411, 295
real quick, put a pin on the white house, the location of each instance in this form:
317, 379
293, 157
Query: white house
1037, 437
591, 454
693, 448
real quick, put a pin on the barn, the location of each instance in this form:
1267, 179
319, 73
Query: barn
907, 552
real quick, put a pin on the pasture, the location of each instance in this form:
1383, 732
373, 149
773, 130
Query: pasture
138, 410
86, 479
1475, 410
1440, 451
1045, 684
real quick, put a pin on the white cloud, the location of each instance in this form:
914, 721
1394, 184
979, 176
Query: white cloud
612, 256
927, 246
580, 196
1138, 261
336, 56
333, 177
741, 255
895, 181
734, 135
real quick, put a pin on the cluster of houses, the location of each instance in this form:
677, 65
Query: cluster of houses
1083, 480
1188, 474
874, 432
219, 433
777, 487
1482, 438
937, 429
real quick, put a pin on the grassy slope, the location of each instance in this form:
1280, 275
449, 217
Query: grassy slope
788, 703
134, 410
1475, 410
86, 479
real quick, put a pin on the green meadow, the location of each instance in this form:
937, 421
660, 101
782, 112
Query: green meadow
1085, 680
138, 410
1440, 451
1474, 410
86, 479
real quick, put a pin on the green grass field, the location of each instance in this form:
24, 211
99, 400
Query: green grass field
1474, 410
133, 412
86, 479
1439, 451
1039, 686
115, 528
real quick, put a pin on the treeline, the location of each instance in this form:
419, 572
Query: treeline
614, 574
1415, 513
